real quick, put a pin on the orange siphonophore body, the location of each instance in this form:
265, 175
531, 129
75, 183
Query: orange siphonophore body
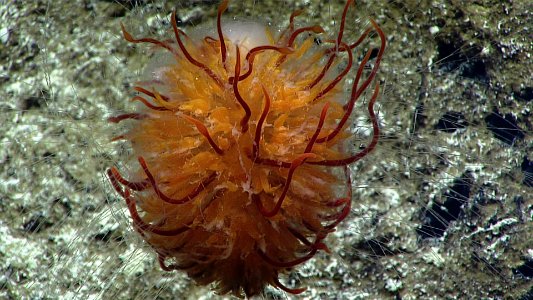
243, 151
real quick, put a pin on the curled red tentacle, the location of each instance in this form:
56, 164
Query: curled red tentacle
367, 149
292, 17
195, 192
356, 92
289, 28
250, 56
300, 236
340, 216
114, 182
318, 245
193, 61
339, 77
151, 94
143, 226
255, 152
118, 138
347, 201
289, 290
244, 105
311, 142
134, 116
203, 131
322, 73
137, 220
259, 128
297, 32
148, 104
294, 165
294, 35
343, 22
354, 44
136, 186
128, 37
221, 8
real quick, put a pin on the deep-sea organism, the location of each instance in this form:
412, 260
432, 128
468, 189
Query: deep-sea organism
243, 148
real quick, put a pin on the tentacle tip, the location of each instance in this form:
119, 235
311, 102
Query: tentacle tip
298, 291
323, 247
297, 12
244, 127
141, 161
127, 36
318, 29
173, 20
223, 6
287, 50
295, 291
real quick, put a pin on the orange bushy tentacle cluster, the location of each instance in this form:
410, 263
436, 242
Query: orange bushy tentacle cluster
237, 158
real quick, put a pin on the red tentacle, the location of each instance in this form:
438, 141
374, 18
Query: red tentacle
137, 220
294, 165
356, 92
318, 245
221, 8
289, 290
193, 61
203, 131
136, 186
339, 77
343, 22
318, 128
323, 72
251, 56
119, 118
128, 37
195, 192
294, 35
148, 104
259, 128
290, 28
367, 149
244, 105
151, 94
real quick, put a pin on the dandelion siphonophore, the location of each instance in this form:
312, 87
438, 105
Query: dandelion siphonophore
242, 146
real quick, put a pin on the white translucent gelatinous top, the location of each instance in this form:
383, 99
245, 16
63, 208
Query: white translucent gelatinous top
246, 34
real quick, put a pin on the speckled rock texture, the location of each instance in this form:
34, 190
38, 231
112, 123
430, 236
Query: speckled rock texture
442, 210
